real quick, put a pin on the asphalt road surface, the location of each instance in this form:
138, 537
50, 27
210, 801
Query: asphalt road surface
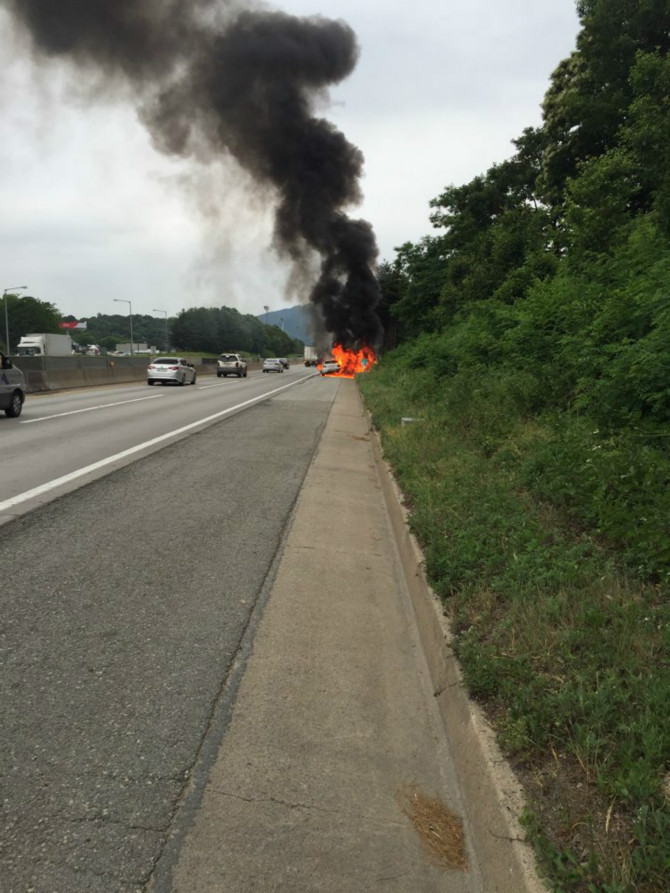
128, 606
64, 439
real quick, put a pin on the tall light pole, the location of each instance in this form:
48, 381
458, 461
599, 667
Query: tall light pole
11, 291
267, 309
130, 313
156, 310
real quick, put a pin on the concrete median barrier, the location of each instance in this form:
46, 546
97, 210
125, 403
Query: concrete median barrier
63, 379
121, 372
63, 373
96, 371
35, 380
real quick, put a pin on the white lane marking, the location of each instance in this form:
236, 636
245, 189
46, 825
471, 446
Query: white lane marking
96, 466
59, 415
205, 387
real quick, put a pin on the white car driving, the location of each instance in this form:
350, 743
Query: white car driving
174, 369
273, 364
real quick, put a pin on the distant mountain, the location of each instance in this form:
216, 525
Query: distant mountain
292, 320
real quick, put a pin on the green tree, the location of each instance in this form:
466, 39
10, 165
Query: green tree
111, 329
217, 329
391, 284
646, 133
420, 271
109, 342
498, 235
28, 314
591, 91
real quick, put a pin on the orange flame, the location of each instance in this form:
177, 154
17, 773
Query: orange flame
352, 362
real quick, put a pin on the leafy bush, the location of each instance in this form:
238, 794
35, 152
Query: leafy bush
617, 486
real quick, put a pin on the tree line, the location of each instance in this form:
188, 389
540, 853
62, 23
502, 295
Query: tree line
198, 329
212, 330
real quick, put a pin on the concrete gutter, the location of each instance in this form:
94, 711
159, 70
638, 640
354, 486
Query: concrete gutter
492, 793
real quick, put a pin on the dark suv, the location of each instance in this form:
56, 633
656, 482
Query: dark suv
12, 388
231, 364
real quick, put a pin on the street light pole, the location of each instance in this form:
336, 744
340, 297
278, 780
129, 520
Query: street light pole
156, 310
11, 291
130, 314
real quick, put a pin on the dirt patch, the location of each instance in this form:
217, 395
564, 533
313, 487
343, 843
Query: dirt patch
575, 817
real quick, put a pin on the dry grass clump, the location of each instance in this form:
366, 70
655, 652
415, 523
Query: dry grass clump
665, 788
440, 831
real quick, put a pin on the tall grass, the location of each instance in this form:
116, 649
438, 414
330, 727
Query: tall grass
559, 604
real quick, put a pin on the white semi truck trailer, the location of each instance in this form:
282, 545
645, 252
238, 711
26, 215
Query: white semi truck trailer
310, 356
44, 344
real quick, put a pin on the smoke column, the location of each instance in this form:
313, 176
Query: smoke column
211, 77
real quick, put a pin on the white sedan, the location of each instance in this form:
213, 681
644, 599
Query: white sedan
175, 369
274, 364
330, 367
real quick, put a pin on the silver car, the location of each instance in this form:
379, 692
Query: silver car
176, 369
273, 365
231, 364
12, 388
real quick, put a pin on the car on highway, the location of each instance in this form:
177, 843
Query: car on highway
231, 364
12, 388
285, 363
329, 367
175, 369
273, 364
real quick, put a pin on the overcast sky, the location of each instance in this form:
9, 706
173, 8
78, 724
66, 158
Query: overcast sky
90, 212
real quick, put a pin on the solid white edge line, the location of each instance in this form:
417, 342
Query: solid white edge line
59, 415
131, 451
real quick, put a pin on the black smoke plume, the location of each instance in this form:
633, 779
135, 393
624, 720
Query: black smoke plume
211, 77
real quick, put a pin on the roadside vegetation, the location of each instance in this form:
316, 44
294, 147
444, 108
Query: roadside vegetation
564, 645
528, 340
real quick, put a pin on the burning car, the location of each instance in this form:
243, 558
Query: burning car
330, 367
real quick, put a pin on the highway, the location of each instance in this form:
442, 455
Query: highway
64, 439
129, 604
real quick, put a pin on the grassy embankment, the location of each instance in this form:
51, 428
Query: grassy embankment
548, 544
